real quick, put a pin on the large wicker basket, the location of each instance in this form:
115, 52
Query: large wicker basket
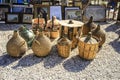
64, 47
88, 50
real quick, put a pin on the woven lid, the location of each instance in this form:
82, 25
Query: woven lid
89, 39
71, 23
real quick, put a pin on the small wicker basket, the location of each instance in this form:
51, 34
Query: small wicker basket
54, 26
54, 34
64, 47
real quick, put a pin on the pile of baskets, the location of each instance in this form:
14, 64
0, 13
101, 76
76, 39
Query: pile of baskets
88, 38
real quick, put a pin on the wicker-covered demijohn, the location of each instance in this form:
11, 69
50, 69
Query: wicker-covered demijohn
99, 33
16, 46
64, 47
89, 26
41, 45
88, 47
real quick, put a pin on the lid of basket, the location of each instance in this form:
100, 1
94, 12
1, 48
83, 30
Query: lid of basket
41, 20
55, 20
71, 23
88, 39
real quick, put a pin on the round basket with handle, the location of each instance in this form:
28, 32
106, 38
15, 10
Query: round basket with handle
54, 27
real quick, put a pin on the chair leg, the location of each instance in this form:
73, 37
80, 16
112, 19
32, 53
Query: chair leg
108, 13
114, 15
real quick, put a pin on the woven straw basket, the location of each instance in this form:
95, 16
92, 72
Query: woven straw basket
88, 50
54, 34
64, 47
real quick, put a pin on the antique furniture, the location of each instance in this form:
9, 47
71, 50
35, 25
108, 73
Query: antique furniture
73, 29
118, 17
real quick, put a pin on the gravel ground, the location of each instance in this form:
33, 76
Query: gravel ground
106, 65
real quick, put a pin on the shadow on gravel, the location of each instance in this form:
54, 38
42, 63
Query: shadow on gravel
49, 61
6, 60
116, 45
114, 28
103, 23
6, 27
52, 59
75, 64
28, 60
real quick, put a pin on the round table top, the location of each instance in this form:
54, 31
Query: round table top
73, 24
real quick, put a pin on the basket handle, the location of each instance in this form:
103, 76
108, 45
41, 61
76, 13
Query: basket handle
9, 36
37, 42
22, 43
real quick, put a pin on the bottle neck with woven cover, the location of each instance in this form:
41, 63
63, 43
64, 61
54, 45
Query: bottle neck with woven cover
89, 26
88, 38
15, 34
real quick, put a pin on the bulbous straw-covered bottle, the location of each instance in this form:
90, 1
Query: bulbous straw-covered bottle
16, 46
89, 26
99, 33
41, 45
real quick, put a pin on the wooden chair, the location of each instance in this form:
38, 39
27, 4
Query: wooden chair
112, 9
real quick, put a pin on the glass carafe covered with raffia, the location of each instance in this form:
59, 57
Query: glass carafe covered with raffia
41, 45
16, 46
